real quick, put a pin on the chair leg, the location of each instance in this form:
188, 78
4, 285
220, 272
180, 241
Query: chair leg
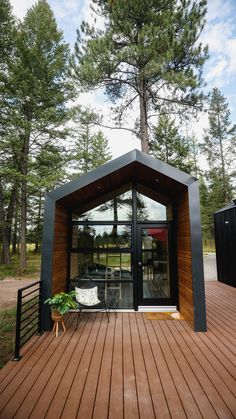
78, 317
107, 313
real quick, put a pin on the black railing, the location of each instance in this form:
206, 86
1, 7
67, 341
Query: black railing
28, 315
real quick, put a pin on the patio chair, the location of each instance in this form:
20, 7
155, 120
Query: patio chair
87, 298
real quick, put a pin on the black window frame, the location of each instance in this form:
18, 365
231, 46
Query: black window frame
133, 250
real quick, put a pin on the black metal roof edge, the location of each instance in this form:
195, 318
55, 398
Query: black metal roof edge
164, 168
230, 206
118, 163
93, 176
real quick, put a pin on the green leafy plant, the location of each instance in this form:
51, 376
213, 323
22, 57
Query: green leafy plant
62, 302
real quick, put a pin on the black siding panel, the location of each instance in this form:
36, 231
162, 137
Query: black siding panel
225, 237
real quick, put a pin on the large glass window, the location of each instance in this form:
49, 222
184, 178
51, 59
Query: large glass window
101, 247
111, 272
101, 236
103, 266
118, 208
149, 210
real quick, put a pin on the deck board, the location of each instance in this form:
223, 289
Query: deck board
128, 368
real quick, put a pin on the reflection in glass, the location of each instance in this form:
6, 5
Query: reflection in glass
117, 209
110, 271
155, 263
101, 236
114, 266
149, 210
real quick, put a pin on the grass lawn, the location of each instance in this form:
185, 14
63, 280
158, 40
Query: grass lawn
208, 246
32, 270
7, 335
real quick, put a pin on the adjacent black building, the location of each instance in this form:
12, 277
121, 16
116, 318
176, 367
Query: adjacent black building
225, 238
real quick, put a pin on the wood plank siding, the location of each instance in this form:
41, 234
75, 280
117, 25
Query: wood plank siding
184, 259
60, 249
128, 368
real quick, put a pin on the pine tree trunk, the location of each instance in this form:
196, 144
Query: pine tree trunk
14, 237
5, 252
222, 163
6, 223
36, 249
23, 202
143, 117
115, 214
23, 218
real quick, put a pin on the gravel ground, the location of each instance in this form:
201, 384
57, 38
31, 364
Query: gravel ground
9, 286
8, 291
210, 272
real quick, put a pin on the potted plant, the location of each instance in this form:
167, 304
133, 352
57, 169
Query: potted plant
61, 303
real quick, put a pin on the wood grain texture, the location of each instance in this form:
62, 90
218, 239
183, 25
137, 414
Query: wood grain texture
60, 249
184, 259
129, 367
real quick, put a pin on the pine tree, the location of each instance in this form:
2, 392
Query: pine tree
169, 146
194, 154
148, 53
47, 172
219, 147
204, 204
91, 148
8, 172
37, 91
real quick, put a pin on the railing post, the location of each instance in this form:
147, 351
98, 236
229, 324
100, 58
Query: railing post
17, 356
40, 308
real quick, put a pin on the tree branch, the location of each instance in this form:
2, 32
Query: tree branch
126, 129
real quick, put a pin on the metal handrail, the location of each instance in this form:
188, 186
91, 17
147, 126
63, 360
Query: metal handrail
20, 319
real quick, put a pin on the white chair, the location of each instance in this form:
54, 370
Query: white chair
87, 298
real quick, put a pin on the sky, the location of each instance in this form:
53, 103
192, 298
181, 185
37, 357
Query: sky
219, 70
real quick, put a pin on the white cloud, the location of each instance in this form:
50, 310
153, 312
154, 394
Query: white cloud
20, 7
221, 39
216, 74
218, 9
216, 36
64, 8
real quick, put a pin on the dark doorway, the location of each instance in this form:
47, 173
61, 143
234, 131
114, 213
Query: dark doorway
155, 270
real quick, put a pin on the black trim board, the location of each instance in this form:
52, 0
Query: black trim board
47, 259
119, 163
197, 260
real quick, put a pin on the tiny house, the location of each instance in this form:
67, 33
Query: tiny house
133, 225
225, 239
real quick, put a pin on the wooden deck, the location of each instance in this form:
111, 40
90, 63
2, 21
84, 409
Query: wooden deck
129, 368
